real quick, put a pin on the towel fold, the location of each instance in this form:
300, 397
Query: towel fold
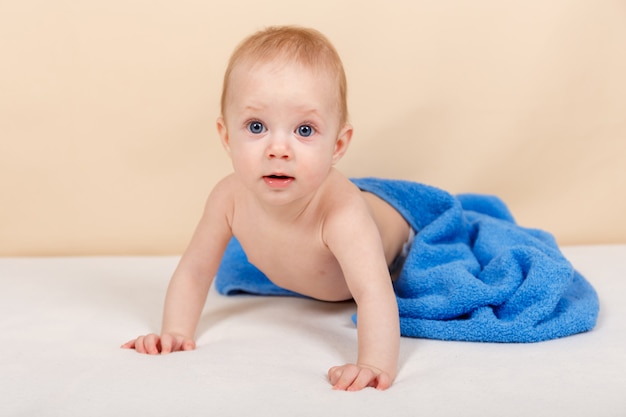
471, 274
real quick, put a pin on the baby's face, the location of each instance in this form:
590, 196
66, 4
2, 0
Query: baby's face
281, 128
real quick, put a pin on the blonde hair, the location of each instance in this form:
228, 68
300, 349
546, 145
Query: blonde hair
290, 44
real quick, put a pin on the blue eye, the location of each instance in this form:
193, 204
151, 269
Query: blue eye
305, 131
256, 128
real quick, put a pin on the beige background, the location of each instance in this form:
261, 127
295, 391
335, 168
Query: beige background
108, 108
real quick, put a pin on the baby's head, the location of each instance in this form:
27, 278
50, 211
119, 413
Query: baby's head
290, 45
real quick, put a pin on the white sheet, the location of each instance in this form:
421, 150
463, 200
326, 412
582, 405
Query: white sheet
62, 321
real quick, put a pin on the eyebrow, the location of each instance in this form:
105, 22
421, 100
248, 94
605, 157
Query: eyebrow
309, 111
300, 109
252, 108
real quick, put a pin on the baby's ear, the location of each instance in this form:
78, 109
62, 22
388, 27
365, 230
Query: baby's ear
223, 132
342, 142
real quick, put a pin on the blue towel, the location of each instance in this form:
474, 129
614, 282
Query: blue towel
472, 273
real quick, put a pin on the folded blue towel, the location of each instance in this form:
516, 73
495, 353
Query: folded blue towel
471, 274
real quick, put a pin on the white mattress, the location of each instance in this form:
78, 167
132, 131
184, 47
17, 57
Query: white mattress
62, 321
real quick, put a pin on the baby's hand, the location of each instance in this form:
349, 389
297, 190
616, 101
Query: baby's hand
153, 344
352, 377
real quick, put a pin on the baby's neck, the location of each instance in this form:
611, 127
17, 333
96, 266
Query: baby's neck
290, 213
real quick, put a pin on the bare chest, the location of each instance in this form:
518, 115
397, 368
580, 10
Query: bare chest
294, 257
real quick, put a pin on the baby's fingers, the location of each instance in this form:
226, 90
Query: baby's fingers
129, 345
341, 377
354, 378
365, 378
384, 381
144, 344
334, 374
167, 343
151, 344
171, 343
188, 344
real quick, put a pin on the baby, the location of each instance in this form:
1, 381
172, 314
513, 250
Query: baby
302, 223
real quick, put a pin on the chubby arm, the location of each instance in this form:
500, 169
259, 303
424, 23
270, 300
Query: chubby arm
354, 239
190, 283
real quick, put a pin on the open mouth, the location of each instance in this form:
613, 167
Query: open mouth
277, 180
278, 177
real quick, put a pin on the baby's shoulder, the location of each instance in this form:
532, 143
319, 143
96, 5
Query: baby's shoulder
226, 187
345, 202
223, 193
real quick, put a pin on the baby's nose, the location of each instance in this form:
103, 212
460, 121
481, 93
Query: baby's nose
278, 149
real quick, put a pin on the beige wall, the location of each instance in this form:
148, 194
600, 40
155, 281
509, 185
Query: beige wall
108, 107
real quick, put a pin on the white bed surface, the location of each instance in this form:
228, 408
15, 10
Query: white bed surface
62, 321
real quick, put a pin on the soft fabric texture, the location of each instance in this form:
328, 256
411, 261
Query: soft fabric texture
471, 274
62, 320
